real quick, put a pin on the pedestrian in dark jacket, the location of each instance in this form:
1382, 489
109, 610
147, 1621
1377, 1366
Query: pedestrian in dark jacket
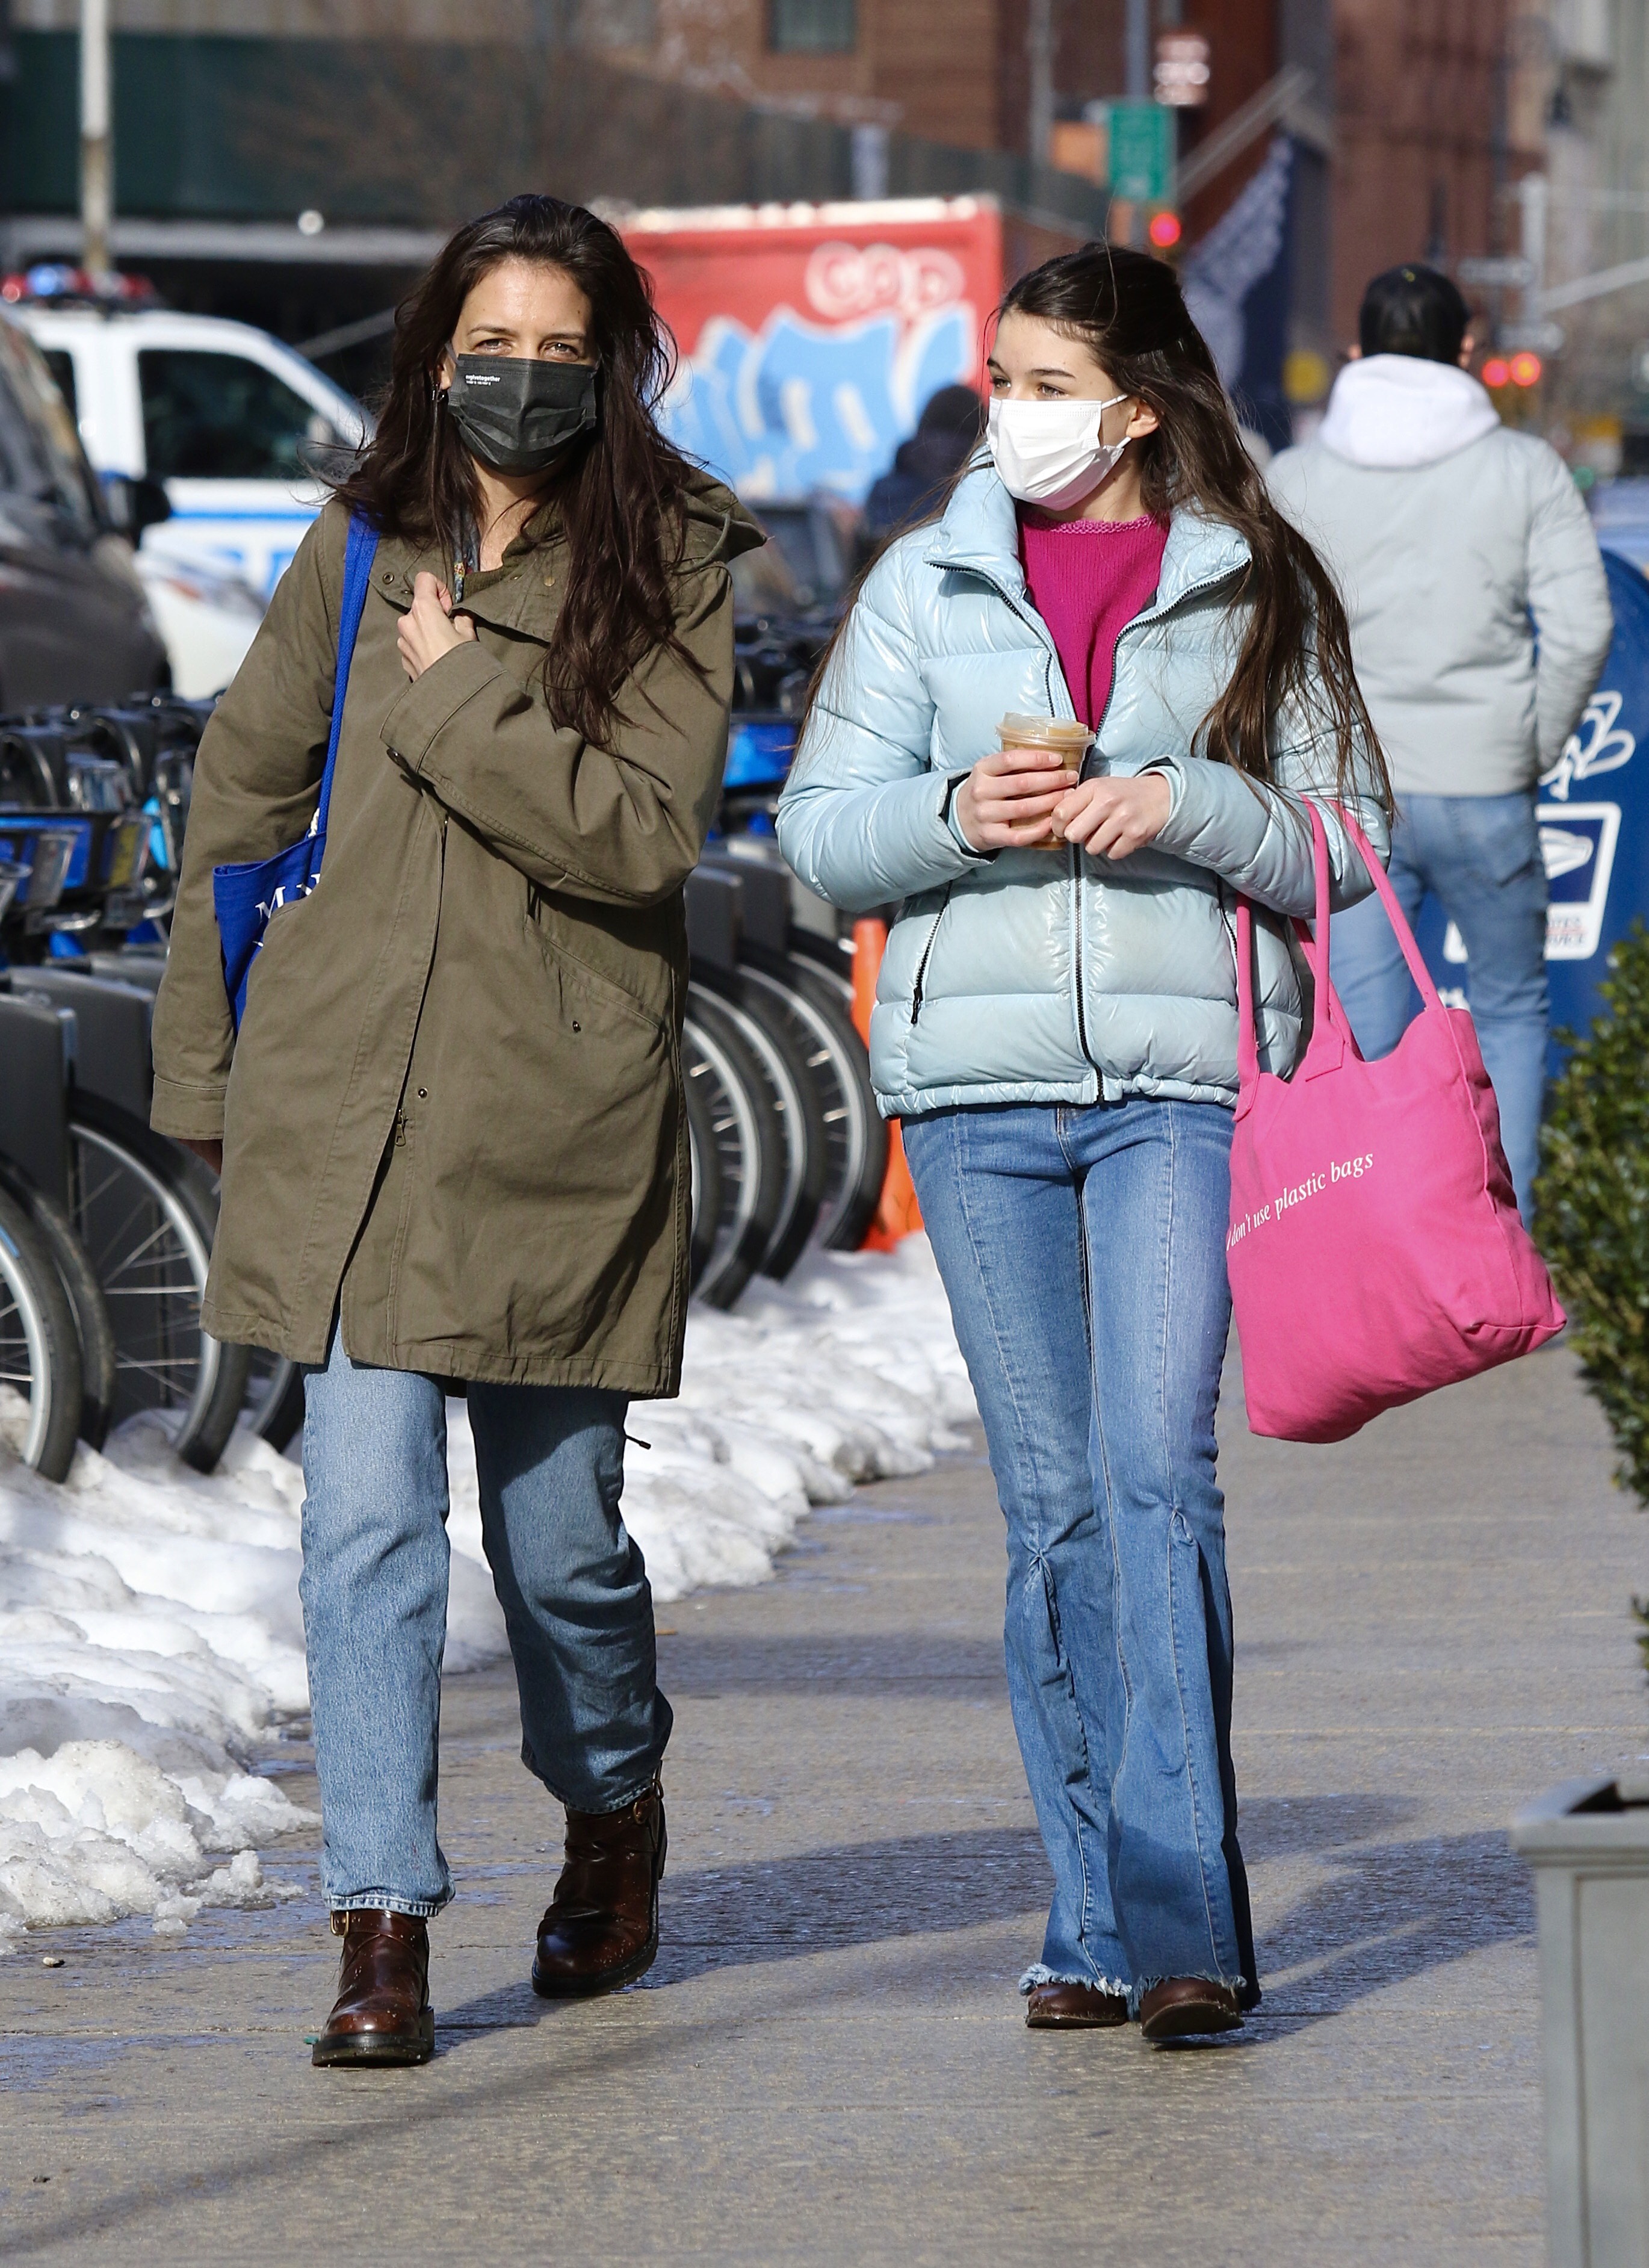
950, 429
451, 1128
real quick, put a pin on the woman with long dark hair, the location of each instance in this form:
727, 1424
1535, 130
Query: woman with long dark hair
450, 1126
1055, 1026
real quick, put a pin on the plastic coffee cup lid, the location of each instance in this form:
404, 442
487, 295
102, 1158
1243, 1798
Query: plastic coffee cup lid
1059, 732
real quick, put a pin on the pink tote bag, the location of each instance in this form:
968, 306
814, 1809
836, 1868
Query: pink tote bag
1375, 1250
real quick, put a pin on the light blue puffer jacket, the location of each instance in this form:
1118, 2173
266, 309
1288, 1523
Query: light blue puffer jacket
1040, 975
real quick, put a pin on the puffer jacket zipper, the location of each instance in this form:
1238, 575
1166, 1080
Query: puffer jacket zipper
927, 955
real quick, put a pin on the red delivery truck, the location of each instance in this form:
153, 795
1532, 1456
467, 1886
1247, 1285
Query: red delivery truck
810, 335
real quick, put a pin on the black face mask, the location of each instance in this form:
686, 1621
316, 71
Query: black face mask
518, 416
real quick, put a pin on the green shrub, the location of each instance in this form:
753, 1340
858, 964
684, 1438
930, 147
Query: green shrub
1592, 1204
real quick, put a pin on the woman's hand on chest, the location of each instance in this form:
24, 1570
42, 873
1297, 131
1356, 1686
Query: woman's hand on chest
1112, 817
429, 629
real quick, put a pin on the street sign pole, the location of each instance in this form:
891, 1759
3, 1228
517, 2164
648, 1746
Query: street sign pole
96, 171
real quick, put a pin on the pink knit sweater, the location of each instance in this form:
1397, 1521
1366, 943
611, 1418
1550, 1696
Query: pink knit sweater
1087, 579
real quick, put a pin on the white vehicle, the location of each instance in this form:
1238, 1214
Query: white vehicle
207, 619
224, 416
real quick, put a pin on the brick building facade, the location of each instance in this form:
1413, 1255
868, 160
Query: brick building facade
1426, 112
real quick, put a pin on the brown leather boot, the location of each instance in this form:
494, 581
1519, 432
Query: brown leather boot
601, 1927
1062, 2007
1183, 2007
382, 2013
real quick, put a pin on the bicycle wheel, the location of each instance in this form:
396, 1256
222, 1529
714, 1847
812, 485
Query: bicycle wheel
145, 1211
770, 1034
855, 1131
706, 1169
748, 1144
94, 1333
274, 1406
39, 1352
832, 957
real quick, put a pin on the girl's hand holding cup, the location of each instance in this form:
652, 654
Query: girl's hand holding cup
1113, 817
1007, 802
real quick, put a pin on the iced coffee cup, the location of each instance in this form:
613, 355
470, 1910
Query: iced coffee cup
1066, 740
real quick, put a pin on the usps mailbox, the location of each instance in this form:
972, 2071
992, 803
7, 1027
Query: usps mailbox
1594, 828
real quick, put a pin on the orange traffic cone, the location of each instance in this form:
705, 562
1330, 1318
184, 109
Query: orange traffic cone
898, 1214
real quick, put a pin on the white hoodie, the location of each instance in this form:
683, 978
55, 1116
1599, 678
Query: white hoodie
1395, 411
1446, 532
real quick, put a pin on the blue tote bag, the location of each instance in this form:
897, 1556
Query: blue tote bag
248, 896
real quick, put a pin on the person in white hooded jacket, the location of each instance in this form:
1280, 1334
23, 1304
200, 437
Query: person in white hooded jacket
1480, 620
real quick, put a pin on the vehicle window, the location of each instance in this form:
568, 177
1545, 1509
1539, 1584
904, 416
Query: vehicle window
61, 363
221, 417
40, 450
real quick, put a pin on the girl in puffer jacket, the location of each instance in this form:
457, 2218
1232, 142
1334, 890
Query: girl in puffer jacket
1055, 1026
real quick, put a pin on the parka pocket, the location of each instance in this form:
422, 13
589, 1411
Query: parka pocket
554, 936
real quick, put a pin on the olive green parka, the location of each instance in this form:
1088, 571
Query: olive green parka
453, 1113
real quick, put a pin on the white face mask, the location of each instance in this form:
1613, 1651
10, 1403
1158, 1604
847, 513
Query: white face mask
1050, 452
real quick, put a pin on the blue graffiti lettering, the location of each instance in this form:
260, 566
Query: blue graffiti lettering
796, 408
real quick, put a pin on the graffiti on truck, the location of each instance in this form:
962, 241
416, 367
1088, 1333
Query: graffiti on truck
820, 402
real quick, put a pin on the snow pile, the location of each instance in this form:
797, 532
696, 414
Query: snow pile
150, 1625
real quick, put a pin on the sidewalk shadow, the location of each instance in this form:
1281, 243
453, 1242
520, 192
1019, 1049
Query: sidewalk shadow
942, 1664
1388, 1912
1383, 1911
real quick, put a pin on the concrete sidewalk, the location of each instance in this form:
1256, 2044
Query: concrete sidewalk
828, 2063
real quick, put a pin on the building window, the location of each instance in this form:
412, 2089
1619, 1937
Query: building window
811, 28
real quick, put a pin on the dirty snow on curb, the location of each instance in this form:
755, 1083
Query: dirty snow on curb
151, 1636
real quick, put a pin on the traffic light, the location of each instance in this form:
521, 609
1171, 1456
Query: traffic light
1525, 369
1164, 231
1496, 373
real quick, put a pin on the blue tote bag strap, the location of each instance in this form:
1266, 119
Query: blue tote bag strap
246, 896
359, 552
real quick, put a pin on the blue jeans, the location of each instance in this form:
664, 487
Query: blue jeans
1479, 857
1083, 1250
571, 1581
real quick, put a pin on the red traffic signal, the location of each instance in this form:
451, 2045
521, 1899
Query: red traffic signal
1164, 231
1525, 369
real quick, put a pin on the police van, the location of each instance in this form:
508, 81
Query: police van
231, 421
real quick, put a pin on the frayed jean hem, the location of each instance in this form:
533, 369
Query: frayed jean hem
1041, 1974
385, 1902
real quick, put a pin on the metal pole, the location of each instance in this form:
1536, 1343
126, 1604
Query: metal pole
1039, 47
1531, 194
1137, 50
96, 171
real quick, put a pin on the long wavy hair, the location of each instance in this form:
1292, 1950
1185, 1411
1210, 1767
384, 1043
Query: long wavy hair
1127, 309
618, 499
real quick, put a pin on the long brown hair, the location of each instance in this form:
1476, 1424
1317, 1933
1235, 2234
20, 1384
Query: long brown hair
618, 499
1127, 309
1129, 312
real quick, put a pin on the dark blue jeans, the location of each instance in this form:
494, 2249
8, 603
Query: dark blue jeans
1084, 1254
1479, 856
571, 1581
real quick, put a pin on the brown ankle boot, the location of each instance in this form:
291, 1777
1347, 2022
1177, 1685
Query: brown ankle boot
382, 2013
601, 1928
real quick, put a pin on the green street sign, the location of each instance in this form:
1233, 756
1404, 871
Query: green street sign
1142, 153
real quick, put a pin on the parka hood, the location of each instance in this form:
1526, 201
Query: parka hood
1391, 412
719, 527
